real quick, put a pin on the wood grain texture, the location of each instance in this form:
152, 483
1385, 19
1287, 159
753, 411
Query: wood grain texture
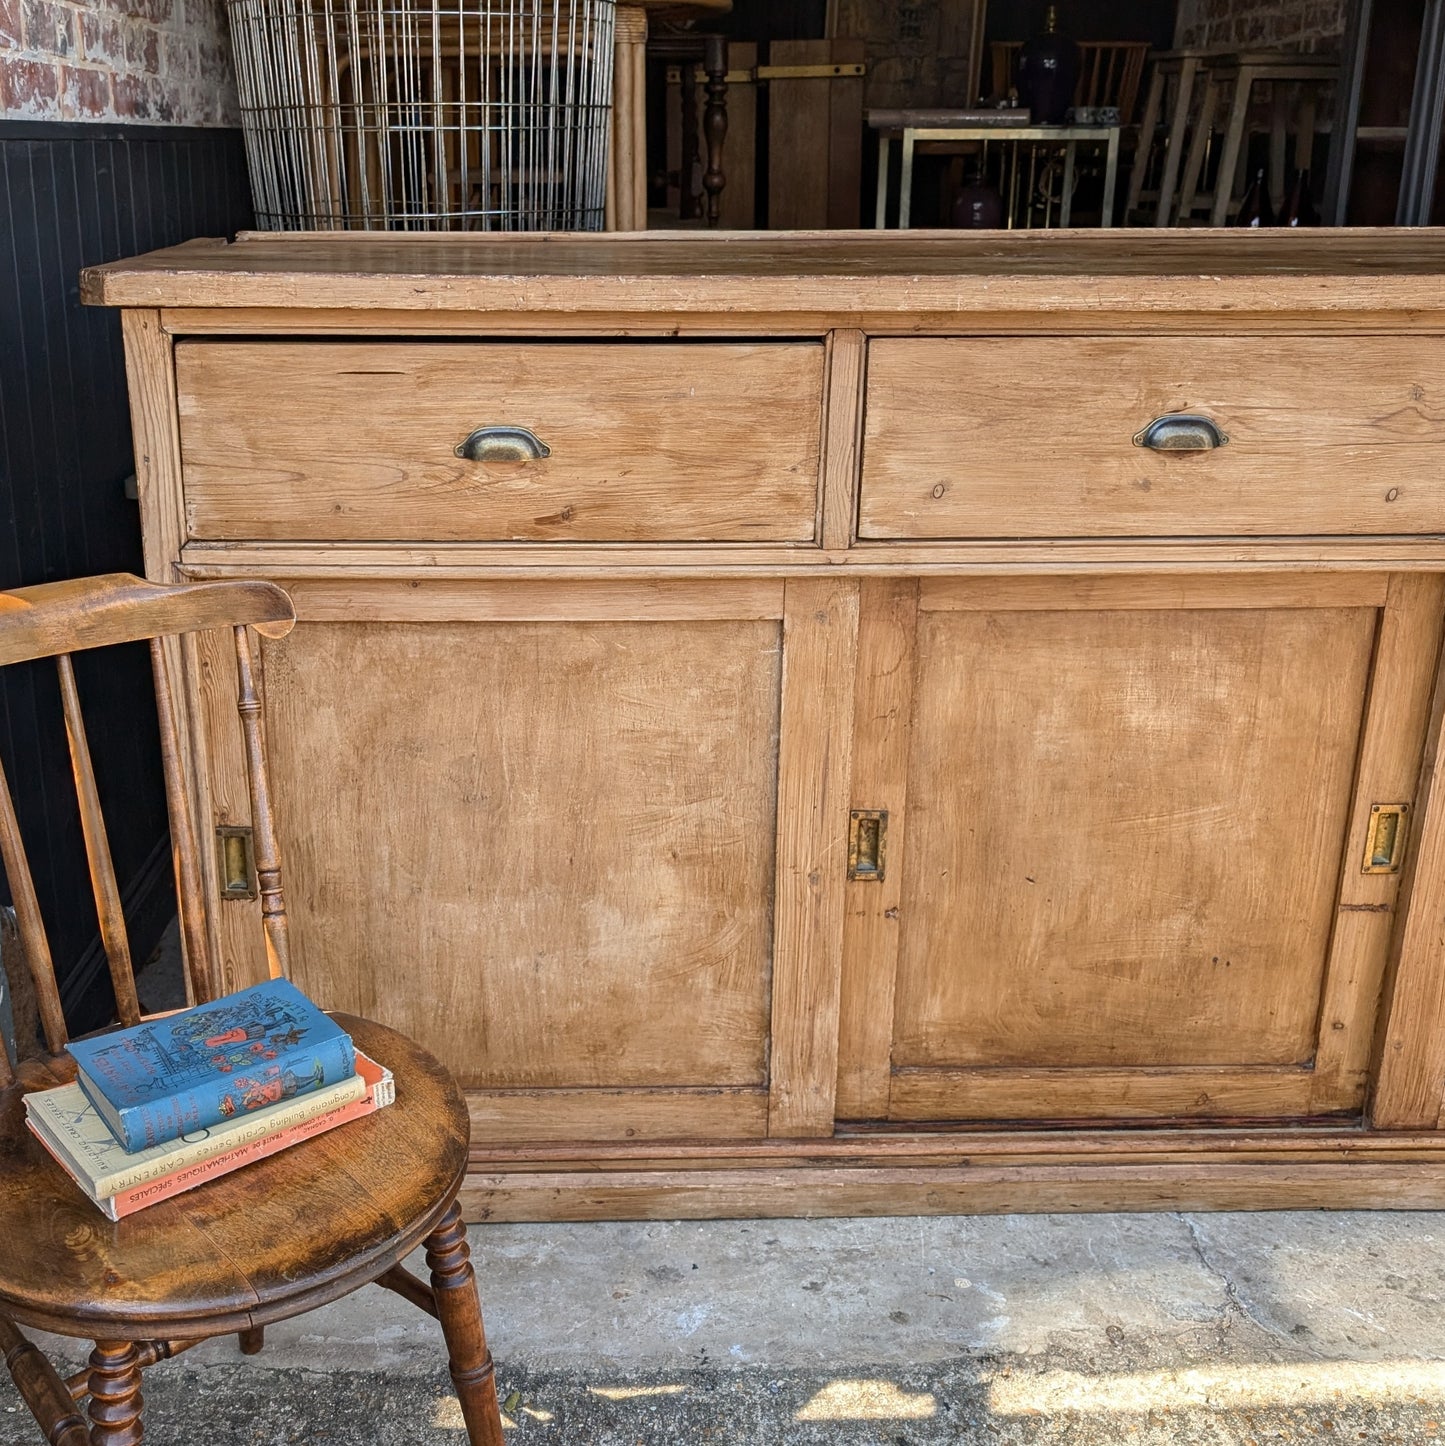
1155, 593
971, 1190
820, 633
1058, 1095
815, 131
1058, 558
989, 437
1108, 815
883, 718
418, 600
150, 374
103, 612
348, 441
566, 850
236, 939
827, 273
103, 881
842, 427
506, 1117
785, 320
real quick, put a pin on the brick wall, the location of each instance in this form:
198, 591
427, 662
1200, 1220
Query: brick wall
1289, 24
154, 62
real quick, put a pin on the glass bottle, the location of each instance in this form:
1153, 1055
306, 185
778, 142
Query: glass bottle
1255, 209
1299, 209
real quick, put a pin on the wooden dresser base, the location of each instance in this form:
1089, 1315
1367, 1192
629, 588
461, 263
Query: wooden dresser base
1074, 1172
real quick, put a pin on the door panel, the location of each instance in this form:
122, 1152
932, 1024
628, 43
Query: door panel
1128, 820
556, 838
542, 846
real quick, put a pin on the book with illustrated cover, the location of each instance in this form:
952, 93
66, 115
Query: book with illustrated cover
378, 1090
169, 1077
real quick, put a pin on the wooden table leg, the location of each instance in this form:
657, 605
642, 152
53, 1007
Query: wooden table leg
1198, 146
1178, 124
1111, 177
1233, 142
1066, 198
905, 195
880, 213
1146, 142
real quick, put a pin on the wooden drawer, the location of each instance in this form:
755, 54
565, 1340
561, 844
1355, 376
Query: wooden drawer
1033, 437
357, 441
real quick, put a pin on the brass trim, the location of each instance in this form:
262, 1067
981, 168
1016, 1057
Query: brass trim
1385, 842
236, 861
867, 844
809, 72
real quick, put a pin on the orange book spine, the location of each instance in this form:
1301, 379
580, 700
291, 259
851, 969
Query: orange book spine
127, 1202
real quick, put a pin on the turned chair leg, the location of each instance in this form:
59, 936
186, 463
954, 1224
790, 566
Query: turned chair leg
115, 1399
460, 1312
252, 1340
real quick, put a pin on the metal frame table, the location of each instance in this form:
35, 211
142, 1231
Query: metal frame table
1068, 135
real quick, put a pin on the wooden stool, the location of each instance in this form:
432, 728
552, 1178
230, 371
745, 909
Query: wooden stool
1235, 76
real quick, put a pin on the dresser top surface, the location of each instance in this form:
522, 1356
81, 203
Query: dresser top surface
792, 272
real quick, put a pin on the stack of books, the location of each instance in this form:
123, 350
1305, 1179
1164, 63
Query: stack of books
175, 1101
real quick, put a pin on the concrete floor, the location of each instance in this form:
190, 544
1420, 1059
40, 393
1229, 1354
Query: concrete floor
1144, 1329
1150, 1330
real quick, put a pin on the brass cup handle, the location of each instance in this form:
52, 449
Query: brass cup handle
1181, 432
503, 444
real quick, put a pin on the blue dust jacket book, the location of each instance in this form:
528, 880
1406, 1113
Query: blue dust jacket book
162, 1079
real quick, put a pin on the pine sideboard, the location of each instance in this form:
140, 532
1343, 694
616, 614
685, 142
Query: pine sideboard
845, 723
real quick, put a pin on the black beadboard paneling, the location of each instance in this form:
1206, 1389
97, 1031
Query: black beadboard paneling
73, 196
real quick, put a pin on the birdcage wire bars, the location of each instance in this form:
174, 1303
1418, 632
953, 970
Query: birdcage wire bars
480, 115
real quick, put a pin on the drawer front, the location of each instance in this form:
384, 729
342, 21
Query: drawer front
358, 441
1034, 437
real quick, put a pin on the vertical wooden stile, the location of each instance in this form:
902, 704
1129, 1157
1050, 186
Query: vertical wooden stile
842, 436
814, 775
1409, 1074
97, 850
263, 826
185, 849
32, 927
883, 713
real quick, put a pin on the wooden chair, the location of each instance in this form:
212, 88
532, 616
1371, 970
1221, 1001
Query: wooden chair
274, 1239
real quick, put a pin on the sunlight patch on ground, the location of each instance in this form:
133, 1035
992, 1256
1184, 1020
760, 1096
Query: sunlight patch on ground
1307, 1383
632, 1393
868, 1401
448, 1416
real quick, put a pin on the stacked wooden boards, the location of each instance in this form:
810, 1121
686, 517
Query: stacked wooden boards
836, 765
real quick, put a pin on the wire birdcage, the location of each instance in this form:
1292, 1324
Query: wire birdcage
426, 115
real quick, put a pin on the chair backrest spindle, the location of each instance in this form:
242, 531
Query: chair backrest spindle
185, 848
97, 850
33, 940
263, 827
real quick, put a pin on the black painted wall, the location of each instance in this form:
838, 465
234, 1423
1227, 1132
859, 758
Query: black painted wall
74, 195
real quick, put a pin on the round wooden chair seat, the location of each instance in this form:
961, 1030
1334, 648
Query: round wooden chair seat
266, 1242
